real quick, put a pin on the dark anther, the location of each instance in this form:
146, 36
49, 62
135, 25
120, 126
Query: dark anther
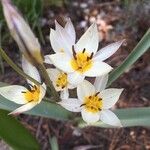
65, 73
35, 87
99, 99
88, 58
31, 100
83, 50
79, 67
62, 86
32, 90
23, 92
91, 55
82, 105
57, 85
92, 107
90, 97
97, 93
74, 52
99, 109
58, 78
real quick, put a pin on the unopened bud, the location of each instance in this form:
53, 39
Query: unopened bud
22, 34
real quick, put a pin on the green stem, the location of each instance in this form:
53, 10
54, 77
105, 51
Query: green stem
16, 68
138, 51
48, 81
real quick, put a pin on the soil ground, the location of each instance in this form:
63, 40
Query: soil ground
115, 22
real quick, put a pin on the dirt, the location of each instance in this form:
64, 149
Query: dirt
115, 22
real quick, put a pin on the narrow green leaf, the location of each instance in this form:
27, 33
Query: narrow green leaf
54, 143
138, 51
15, 134
129, 117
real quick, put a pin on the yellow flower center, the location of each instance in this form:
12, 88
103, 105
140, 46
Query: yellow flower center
32, 94
62, 80
81, 61
93, 103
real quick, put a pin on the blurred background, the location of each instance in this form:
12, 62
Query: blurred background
116, 20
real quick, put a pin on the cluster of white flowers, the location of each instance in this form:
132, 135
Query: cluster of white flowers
73, 62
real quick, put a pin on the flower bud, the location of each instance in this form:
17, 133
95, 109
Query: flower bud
22, 34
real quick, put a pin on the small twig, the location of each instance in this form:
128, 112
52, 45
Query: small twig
39, 127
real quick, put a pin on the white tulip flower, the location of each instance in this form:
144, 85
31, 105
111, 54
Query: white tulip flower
80, 59
94, 102
21, 95
22, 34
60, 82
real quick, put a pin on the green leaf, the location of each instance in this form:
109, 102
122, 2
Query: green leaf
138, 51
15, 134
129, 117
54, 143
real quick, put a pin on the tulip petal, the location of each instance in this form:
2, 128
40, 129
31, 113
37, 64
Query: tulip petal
53, 74
71, 104
42, 92
100, 82
47, 59
110, 118
75, 78
64, 94
55, 41
64, 37
30, 70
23, 108
21, 32
108, 51
85, 89
89, 40
98, 68
110, 97
90, 117
62, 61
70, 30
14, 93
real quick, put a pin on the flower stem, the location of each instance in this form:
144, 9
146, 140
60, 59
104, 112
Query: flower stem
16, 68
48, 81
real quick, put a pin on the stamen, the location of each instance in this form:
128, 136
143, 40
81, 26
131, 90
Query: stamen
23, 92
99, 99
35, 87
91, 55
99, 109
31, 100
83, 50
74, 52
62, 86
82, 105
90, 97
97, 93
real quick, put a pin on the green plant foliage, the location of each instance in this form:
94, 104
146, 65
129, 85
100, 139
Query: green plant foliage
54, 143
15, 134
